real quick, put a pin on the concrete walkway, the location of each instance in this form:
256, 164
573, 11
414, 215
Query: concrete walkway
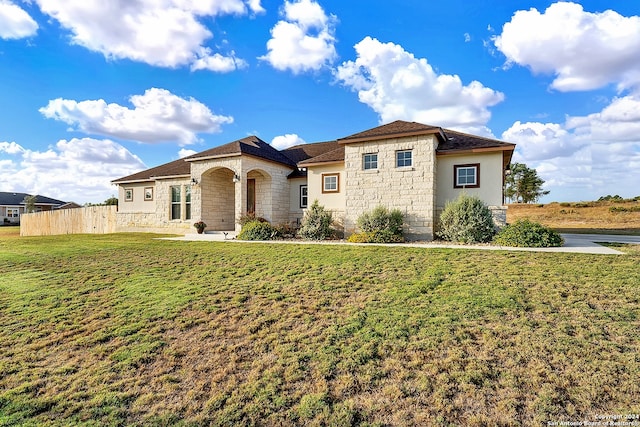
576, 243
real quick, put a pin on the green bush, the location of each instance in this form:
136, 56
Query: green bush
616, 209
250, 217
381, 218
466, 220
381, 225
316, 224
257, 230
524, 233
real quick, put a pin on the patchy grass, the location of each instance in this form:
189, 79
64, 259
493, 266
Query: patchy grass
122, 329
604, 217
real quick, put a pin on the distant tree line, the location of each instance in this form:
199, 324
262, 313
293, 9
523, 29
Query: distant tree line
111, 201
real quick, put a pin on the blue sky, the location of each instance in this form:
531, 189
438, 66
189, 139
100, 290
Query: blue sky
91, 91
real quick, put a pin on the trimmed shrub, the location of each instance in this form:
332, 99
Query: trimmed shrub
466, 220
381, 225
380, 236
256, 230
316, 224
524, 233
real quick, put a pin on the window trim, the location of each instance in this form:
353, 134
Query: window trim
172, 203
456, 168
148, 194
187, 202
324, 183
364, 161
306, 196
128, 194
404, 159
13, 212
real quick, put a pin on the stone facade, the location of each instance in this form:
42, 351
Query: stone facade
410, 189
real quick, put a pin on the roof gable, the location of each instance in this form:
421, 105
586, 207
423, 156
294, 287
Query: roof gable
251, 145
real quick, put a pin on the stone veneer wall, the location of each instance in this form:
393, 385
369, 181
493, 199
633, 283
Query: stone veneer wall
410, 189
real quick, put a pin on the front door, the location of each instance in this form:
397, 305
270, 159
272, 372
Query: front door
251, 195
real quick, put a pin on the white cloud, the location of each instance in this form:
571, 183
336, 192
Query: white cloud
397, 85
157, 116
218, 63
184, 152
304, 40
15, 23
587, 156
583, 50
285, 141
10, 148
77, 170
540, 141
166, 33
467, 37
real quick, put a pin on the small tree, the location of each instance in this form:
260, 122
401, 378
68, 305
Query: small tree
523, 185
29, 204
466, 220
111, 201
316, 224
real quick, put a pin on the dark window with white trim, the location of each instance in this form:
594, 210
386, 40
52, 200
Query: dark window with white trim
330, 183
175, 202
404, 158
187, 199
466, 176
303, 196
370, 161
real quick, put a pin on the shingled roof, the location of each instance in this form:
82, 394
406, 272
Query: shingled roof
450, 141
17, 199
176, 168
458, 141
251, 145
299, 153
399, 128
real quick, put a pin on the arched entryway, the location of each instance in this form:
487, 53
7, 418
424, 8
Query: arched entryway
218, 210
258, 194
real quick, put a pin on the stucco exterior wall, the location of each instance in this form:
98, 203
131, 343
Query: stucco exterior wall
490, 190
138, 204
334, 202
295, 211
491, 178
410, 189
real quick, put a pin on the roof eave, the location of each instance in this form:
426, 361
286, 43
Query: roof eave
332, 162
131, 181
474, 150
436, 131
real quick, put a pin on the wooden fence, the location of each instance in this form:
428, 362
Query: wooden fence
89, 220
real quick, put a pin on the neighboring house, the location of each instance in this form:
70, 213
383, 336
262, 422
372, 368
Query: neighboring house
406, 165
12, 206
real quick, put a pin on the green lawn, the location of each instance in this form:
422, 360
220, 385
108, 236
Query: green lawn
123, 329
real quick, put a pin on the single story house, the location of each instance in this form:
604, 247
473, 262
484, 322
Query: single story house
410, 166
12, 205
